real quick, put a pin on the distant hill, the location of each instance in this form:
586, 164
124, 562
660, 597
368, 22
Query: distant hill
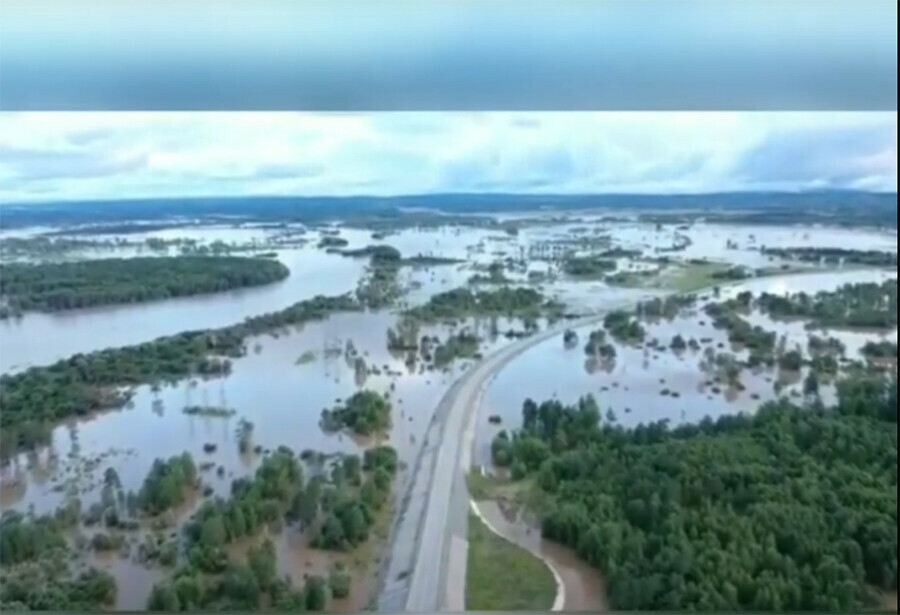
838, 207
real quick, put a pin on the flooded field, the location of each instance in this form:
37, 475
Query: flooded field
287, 378
644, 385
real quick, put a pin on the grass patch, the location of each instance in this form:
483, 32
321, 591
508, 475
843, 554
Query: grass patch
501, 576
691, 277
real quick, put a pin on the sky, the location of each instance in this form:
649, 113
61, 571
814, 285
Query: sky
81, 156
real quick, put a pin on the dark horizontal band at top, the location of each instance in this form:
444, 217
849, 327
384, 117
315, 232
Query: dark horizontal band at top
381, 55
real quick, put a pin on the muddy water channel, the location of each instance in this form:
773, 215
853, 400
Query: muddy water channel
582, 584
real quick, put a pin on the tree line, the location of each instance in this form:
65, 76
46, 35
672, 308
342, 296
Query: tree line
35, 399
790, 508
52, 287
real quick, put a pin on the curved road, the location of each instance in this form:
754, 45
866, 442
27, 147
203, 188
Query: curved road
426, 567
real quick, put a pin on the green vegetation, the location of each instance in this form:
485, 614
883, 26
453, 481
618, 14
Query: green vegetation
760, 343
880, 350
35, 399
624, 327
789, 509
495, 275
463, 303
364, 413
379, 287
330, 241
597, 346
868, 305
52, 287
35, 571
167, 484
210, 411
337, 508
404, 337
667, 307
731, 274
825, 346
376, 254
463, 345
588, 266
501, 576
835, 256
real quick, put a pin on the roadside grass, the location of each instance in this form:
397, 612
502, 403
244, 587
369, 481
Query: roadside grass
501, 576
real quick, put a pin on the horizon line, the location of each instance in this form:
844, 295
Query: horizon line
541, 195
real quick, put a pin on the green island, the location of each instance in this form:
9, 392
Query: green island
597, 346
880, 350
866, 305
364, 413
834, 256
332, 242
792, 508
36, 399
379, 286
495, 275
462, 303
463, 345
52, 287
624, 327
588, 266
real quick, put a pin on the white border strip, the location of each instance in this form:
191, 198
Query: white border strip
560, 600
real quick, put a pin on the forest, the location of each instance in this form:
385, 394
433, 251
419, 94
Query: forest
35, 573
793, 508
52, 287
337, 505
35, 399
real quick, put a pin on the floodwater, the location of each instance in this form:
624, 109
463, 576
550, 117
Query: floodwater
632, 386
40, 339
584, 587
271, 387
284, 397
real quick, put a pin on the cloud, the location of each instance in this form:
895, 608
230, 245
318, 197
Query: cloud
31, 165
834, 157
50, 156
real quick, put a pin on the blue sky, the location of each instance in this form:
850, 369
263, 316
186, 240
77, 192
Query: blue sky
71, 156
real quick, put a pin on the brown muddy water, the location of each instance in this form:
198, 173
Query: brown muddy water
283, 395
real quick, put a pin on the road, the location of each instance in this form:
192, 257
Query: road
425, 570
426, 567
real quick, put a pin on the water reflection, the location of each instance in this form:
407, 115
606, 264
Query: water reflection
644, 385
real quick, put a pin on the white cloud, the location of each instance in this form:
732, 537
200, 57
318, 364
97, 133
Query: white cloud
50, 156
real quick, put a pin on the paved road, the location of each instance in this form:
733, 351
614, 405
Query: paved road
426, 566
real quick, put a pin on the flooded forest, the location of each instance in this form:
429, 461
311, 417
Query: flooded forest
226, 413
